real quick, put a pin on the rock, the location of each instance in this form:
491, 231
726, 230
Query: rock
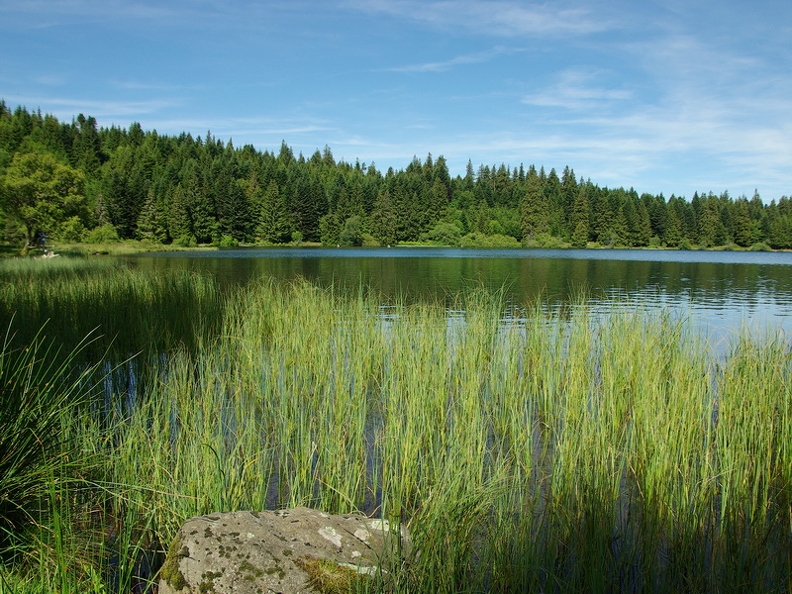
286, 552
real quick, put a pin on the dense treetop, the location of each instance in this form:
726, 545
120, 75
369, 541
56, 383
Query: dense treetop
75, 181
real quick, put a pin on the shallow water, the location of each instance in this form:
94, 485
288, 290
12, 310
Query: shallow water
721, 292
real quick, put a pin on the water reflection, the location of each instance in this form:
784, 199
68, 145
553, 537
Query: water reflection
720, 291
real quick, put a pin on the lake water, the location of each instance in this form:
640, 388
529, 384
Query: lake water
719, 291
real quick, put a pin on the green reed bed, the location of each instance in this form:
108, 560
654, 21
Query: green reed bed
42, 471
526, 450
132, 311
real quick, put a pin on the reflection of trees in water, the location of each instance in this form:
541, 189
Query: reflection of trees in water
722, 293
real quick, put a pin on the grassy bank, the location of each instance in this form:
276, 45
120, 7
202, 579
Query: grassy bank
527, 450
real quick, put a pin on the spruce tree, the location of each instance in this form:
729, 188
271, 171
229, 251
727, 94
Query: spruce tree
673, 228
742, 227
580, 219
534, 217
383, 222
274, 221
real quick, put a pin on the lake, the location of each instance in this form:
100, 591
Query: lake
719, 291
536, 454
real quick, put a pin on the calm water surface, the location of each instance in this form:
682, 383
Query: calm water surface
719, 291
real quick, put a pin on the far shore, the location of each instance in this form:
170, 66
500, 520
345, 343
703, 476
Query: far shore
132, 246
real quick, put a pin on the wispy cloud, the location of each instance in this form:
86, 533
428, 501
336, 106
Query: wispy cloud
139, 85
442, 66
68, 107
254, 130
50, 80
51, 12
505, 18
206, 14
579, 90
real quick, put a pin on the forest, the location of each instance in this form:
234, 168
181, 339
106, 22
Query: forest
79, 182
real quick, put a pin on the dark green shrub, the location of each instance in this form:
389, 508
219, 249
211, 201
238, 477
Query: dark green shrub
104, 234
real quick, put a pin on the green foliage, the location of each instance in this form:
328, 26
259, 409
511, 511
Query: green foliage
352, 233
384, 220
546, 241
534, 209
580, 235
443, 233
42, 193
105, 234
165, 189
71, 230
186, 241
368, 240
330, 230
479, 240
226, 241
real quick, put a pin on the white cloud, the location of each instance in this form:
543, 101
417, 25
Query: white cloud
50, 80
500, 18
50, 12
138, 85
442, 66
66, 108
576, 89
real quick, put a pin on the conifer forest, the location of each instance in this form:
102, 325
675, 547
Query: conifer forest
78, 182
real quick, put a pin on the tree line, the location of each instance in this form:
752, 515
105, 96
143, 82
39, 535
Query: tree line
75, 181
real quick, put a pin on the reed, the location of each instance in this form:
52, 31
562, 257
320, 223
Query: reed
528, 449
42, 468
130, 310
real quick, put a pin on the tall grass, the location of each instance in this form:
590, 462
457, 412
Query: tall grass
42, 468
528, 450
38, 391
132, 311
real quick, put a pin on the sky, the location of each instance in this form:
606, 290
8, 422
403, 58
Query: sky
664, 96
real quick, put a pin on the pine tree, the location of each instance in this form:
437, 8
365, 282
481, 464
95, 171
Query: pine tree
274, 221
383, 222
481, 218
86, 148
534, 217
330, 230
148, 224
673, 228
643, 231
601, 216
569, 197
555, 207
580, 219
742, 227
438, 203
179, 216
658, 213
204, 223
711, 232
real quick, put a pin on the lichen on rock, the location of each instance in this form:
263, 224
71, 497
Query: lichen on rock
288, 551
170, 571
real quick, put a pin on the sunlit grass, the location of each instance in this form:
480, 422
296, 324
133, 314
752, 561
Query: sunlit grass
527, 449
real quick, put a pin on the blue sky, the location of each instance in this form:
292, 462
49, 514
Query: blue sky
671, 96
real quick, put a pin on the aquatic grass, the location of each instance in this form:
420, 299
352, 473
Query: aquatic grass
43, 388
131, 310
39, 390
527, 449
753, 459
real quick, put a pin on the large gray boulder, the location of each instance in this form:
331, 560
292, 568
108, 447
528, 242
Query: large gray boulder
286, 552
